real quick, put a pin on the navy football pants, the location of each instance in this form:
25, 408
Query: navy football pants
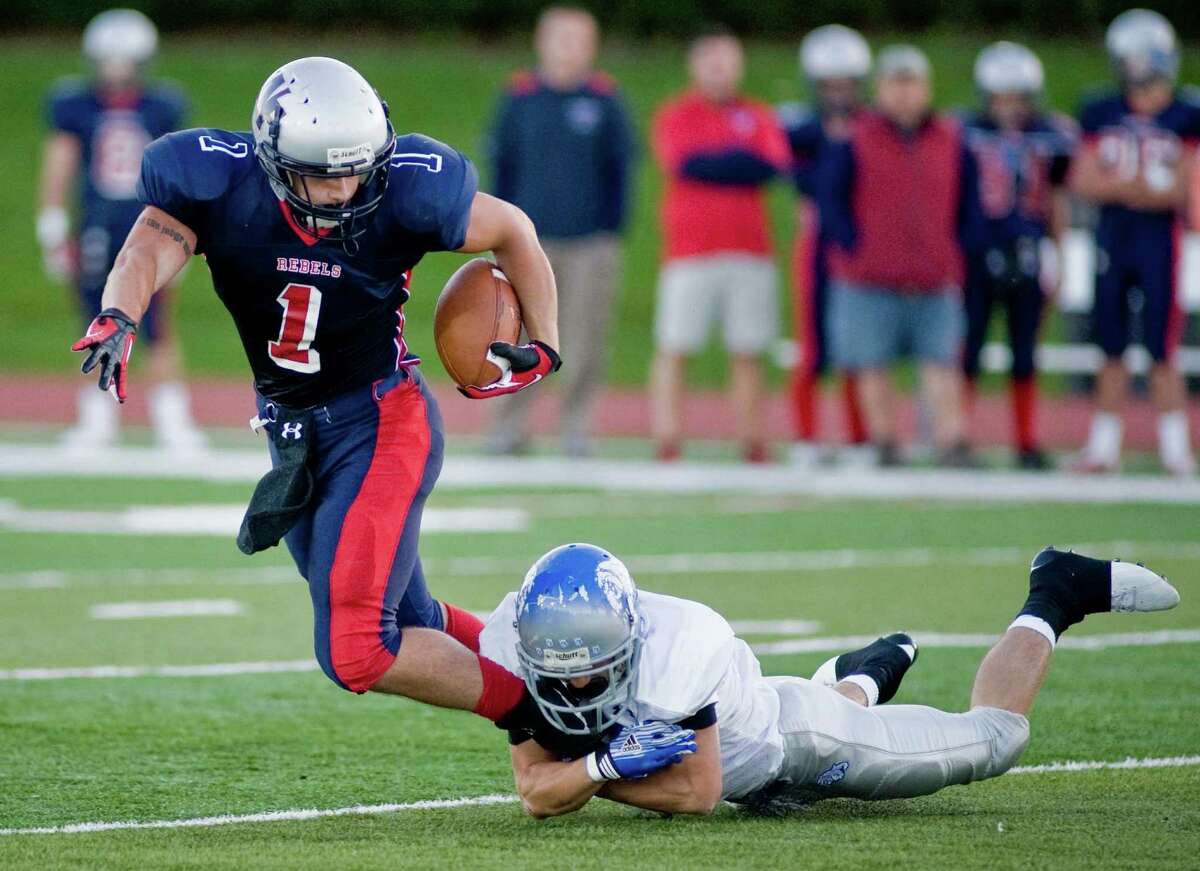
1151, 266
378, 452
1023, 303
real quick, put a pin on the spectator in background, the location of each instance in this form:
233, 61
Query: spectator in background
91, 163
1023, 155
1135, 161
561, 149
900, 201
718, 149
835, 61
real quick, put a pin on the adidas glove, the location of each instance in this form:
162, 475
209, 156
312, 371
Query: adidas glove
639, 751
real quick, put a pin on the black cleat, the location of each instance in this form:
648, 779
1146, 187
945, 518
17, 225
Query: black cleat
885, 661
1079, 585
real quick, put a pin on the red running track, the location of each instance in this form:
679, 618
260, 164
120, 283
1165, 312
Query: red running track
1062, 424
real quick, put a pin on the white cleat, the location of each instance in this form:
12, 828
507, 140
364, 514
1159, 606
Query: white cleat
1136, 588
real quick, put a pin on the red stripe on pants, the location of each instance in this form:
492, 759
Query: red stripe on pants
371, 535
804, 289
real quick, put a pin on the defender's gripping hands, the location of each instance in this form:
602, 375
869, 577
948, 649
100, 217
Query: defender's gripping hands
109, 338
522, 365
639, 751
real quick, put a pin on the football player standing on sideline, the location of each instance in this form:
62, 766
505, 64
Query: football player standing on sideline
311, 224
835, 61
1137, 155
99, 129
561, 149
718, 149
1023, 155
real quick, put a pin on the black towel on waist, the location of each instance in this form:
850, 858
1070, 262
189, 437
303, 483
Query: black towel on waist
283, 494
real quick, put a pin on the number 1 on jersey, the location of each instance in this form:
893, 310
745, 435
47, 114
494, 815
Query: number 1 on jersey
301, 308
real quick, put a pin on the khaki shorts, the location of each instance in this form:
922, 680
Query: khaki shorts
834, 748
739, 290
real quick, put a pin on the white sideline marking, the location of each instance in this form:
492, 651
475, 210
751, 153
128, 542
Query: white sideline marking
483, 800
224, 520
213, 669
475, 473
172, 608
748, 562
1127, 762
266, 816
791, 645
956, 640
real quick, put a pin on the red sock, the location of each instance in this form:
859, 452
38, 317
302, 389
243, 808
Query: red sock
804, 406
1024, 400
502, 690
856, 425
970, 390
463, 626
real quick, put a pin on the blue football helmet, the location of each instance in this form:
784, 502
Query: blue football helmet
578, 618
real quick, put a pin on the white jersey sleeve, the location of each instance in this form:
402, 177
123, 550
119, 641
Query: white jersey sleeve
686, 651
498, 640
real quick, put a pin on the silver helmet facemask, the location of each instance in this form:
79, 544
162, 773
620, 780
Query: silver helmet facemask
592, 709
344, 222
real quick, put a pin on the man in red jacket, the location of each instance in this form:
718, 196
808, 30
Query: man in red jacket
901, 202
718, 150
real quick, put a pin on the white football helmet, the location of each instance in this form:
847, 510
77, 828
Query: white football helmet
1142, 46
318, 117
1009, 68
120, 35
834, 52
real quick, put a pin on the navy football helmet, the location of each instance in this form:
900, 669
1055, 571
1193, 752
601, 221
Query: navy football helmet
578, 618
318, 117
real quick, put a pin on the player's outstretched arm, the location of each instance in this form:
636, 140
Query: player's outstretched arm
156, 249
506, 231
691, 787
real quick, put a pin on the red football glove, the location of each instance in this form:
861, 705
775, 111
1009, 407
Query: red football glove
522, 365
110, 340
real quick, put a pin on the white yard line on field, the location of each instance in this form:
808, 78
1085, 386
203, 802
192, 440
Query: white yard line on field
224, 520
484, 800
473, 472
747, 562
830, 644
167, 608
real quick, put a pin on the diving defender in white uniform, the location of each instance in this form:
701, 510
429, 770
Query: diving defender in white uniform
652, 701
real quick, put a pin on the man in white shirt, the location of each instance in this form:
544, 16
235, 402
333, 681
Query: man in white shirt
651, 700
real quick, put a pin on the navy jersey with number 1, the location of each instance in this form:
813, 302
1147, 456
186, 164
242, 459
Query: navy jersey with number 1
315, 321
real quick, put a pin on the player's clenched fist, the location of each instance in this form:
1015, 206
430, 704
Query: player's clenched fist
109, 339
639, 751
522, 366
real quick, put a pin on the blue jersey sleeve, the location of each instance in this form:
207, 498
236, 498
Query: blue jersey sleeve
66, 107
184, 172
431, 189
1095, 114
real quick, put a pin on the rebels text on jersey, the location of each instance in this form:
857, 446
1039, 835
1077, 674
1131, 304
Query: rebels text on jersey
113, 131
1130, 144
1017, 172
314, 320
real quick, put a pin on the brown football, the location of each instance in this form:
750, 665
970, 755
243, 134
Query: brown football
478, 306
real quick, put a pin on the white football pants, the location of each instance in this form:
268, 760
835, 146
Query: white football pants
834, 747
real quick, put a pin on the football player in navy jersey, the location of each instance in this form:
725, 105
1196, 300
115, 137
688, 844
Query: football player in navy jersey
1138, 148
836, 61
311, 224
99, 129
1023, 155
